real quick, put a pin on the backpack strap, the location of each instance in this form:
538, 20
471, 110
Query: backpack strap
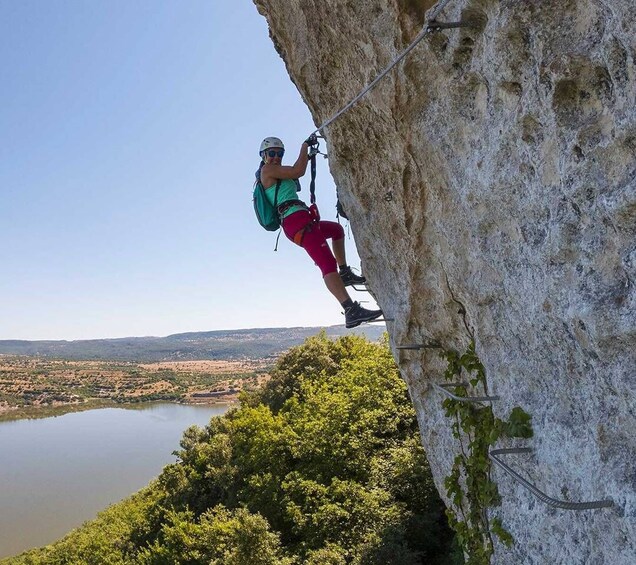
276, 208
258, 179
276, 194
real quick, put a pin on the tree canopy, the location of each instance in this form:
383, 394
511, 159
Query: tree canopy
322, 466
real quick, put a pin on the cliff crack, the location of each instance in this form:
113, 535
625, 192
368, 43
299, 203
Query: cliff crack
462, 309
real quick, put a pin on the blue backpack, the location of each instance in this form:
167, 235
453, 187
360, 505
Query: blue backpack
266, 213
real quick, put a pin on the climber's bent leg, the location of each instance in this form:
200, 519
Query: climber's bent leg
339, 251
315, 244
335, 232
313, 241
299, 228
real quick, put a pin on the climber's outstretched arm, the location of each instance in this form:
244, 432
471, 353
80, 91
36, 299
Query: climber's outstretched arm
275, 171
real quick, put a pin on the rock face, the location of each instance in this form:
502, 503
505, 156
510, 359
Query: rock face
490, 180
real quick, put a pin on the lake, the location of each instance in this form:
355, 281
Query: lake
58, 472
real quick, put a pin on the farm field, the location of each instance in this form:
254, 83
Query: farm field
32, 387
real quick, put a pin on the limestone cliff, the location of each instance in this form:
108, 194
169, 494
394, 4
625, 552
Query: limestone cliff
491, 184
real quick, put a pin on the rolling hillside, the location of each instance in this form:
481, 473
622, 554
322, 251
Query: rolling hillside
258, 343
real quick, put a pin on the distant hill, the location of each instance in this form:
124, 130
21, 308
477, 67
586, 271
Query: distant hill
257, 343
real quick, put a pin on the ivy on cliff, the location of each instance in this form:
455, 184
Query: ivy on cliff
469, 485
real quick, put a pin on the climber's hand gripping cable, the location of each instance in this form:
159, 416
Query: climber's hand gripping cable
312, 140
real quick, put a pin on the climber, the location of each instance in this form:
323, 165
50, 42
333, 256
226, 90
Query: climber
302, 226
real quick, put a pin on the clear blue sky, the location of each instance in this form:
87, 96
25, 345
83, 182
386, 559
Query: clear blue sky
130, 134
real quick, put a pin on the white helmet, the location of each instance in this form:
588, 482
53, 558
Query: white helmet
269, 143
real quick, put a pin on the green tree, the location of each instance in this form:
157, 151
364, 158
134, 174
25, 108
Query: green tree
219, 537
322, 466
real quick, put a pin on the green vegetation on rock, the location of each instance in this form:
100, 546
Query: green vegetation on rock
323, 466
470, 487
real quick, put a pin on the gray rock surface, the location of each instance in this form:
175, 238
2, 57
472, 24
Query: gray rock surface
491, 184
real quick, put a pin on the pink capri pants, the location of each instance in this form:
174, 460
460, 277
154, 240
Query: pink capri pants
314, 238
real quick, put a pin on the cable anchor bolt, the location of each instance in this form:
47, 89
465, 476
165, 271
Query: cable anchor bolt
433, 25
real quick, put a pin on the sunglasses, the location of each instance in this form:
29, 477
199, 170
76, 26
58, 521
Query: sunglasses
271, 153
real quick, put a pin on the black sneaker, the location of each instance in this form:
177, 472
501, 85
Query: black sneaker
356, 314
349, 278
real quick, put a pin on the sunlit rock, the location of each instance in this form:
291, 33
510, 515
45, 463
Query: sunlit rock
491, 184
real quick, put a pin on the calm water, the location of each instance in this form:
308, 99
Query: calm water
58, 472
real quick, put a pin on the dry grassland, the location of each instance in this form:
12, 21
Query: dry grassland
29, 384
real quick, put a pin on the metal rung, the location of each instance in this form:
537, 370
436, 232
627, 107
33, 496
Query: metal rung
438, 26
430, 345
442, 388
380, 320
534, 490
364, 289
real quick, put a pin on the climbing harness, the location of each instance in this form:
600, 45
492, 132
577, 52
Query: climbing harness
300, 234
432, 25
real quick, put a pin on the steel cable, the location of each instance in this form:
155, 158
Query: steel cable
434, 12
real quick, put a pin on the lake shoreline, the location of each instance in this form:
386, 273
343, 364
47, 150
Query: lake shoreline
17, 413
36, 388
57, 473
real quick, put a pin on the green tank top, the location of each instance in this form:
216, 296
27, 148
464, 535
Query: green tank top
287, 191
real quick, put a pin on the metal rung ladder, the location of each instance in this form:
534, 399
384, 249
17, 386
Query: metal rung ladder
360, 288
417, 346
564, 504
434, 25
443, 387
494, 454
